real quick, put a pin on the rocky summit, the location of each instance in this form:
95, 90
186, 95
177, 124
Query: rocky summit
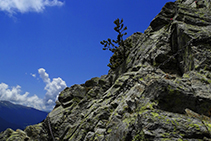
162, 91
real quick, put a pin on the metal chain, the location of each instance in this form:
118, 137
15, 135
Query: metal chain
49, 126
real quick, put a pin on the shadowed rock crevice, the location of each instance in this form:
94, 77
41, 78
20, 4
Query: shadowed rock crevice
174, 99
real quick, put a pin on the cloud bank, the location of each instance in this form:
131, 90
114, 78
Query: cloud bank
14, 95
23, 6
53, 88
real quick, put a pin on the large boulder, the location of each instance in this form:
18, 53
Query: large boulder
162, 91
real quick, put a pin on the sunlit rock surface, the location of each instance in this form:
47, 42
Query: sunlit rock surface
161, 92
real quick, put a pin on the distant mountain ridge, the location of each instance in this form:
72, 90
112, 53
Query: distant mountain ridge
16, 116
5, 124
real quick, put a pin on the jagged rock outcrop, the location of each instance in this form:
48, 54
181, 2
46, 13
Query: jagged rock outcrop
161, 92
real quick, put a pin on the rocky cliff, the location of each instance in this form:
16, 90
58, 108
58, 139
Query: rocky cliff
161, 92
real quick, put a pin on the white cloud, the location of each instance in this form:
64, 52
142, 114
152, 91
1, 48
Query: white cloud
14, 95
44, 75
23, 6
33, 75
53, 88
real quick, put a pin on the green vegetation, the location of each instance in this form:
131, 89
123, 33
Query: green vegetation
119, 47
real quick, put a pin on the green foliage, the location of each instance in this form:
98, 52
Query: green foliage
115, 60
119, 47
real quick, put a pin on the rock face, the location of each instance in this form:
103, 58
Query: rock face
161, 92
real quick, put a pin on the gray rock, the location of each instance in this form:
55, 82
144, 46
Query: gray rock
162, 91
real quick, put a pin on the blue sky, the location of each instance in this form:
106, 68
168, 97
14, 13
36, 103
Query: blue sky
46, 45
